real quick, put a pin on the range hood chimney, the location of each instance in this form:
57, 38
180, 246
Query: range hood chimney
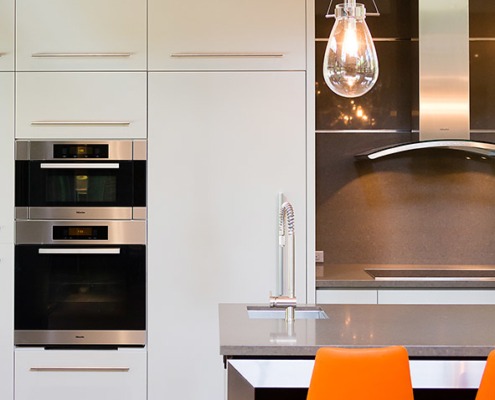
443, 81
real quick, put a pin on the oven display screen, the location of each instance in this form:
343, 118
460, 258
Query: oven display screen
80, 232
80, 151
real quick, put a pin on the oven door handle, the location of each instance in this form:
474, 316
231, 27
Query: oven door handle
79, 166
80, 251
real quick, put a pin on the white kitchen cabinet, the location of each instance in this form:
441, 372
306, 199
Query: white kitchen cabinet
60, 35
80, 374
436, 296
6, 35
69, 105
346, 296
7, 325
7, 157
222, 145
227, 35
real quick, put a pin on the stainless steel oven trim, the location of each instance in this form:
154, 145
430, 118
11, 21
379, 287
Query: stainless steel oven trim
76, 213
41, 150
119, 232
76, 337
139, 213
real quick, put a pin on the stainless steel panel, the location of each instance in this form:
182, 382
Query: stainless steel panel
104, 213
139, 213
140, 150
22, 150
43, 150
119, 232
22, 212
444, 69
76, 337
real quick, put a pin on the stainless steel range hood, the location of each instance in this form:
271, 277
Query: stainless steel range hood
443, 82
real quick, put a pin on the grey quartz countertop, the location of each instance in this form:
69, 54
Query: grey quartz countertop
355, 276
430, 331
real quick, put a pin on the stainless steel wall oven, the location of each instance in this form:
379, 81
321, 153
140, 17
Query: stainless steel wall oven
93, 179
80, 283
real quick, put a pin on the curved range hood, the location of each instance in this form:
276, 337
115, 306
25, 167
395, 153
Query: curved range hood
470, 146
443, 82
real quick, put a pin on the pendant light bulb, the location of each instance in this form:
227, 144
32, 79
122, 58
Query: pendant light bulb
350, 65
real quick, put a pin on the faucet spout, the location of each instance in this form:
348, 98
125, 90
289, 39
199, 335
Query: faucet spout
287, 242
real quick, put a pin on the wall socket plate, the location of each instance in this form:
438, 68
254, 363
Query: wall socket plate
319, 256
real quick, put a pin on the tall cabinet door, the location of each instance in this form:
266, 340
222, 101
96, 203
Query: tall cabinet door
227, 35
7, 234
7, 157
222, 145
6, 35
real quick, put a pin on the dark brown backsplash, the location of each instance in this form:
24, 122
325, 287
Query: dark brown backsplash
421, 207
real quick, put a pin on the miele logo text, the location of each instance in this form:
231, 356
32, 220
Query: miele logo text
79, 337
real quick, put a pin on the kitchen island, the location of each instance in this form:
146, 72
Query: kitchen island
447, 344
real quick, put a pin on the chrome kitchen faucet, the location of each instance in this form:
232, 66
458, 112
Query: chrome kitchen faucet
286, 242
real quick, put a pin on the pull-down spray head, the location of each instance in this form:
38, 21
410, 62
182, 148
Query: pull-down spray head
286, 242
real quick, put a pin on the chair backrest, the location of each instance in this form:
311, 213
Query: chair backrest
361, 374
486, 390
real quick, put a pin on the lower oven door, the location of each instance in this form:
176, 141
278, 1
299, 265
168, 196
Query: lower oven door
80, 295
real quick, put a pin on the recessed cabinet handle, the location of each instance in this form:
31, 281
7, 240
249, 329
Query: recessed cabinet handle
75, 165
82, 123
79, 251
79, 369
82, 55
228, 54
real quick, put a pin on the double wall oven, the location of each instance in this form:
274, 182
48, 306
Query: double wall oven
80, 253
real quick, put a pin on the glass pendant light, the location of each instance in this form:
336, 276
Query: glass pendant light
350, 66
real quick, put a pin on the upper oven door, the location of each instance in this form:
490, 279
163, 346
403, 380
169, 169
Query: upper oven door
80, 181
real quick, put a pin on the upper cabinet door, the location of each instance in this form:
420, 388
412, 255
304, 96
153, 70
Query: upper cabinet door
60, 35
6, 35
76, 105
227, 35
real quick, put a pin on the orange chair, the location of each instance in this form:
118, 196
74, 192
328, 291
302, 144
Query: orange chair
361, 374
486, 390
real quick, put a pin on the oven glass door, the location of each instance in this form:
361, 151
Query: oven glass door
86, 184
80, 287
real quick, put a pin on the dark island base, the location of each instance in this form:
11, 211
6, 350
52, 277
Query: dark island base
419, 394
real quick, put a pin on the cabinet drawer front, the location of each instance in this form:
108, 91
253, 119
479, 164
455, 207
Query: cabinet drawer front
81, 35
81, 105
436, 296
223, 35
80, 375
346, 296
7, 35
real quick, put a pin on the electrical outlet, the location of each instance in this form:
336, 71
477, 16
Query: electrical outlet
319, 256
